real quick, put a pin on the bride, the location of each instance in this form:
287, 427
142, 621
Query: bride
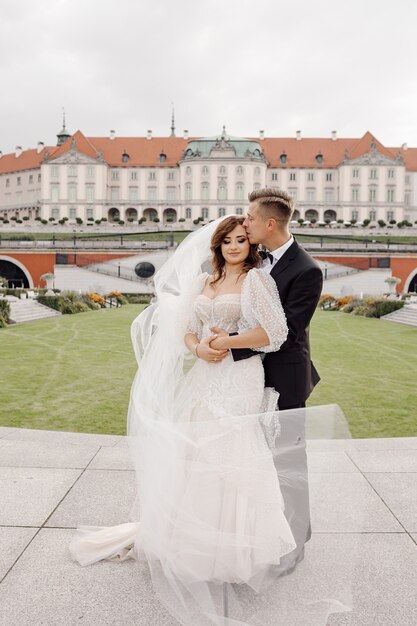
209, 514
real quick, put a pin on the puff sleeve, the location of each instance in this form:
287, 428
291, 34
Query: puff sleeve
261, 307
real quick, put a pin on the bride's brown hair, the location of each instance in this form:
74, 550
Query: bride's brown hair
224, 228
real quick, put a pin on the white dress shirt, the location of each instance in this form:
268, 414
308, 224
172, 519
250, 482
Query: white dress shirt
277, 254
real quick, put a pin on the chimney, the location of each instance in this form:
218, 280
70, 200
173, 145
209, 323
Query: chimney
404, 146
1, 154
112, 134
261, 135
334, 135
40, 147
298, 135
18, 151
149, 135
185, 134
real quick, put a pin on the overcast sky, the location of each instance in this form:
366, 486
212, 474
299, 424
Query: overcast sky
276, 65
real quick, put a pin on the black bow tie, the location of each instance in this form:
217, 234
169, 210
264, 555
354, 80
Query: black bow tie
267, 255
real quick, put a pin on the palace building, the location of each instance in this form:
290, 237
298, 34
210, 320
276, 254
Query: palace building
172, 178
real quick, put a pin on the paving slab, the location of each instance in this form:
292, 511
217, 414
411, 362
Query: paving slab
117, 457
62, 438
12, 543
4, 431
399, 491
387, 443
384, 460
28, 495
41, 454
59, 591
99, 498
345, 502
333, 462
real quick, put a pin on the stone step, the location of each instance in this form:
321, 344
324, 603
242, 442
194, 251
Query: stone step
29, 310
406, 315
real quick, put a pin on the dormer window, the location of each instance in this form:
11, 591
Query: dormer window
188, 152
257, 153
319, 158
283, 158
162, 157
125, 157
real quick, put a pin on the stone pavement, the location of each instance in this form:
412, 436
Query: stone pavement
363, 502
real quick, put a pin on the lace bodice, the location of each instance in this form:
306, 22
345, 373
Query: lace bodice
258, 305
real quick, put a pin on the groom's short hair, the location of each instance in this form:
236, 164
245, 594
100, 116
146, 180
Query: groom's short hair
273, 202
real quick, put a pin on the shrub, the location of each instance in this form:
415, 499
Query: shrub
182, 219
342, 302
69, 307
5, 310
366, 222
96, 298
393, 221
5, 221
25, 218
142, 219
138, 298
381, 223
130, 219
97, 221
3, 323
104, 219
116, 295
197, 221
90, 219
78, 220
156, 219
53, 302
383, 307
365, 310
327, 302
38, 219
351, 305
44, 221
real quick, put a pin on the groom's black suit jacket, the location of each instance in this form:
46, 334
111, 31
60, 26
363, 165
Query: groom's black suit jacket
290, 371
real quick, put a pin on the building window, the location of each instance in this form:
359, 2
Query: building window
319, 158
283, 158
390, 215
89, 193
355, 215
133, 175
188, 191
114, 194
170, 194
407, 198
171, 175
188, 171
8, 197
372, 195
328, 195
355, 194
240, 191
90, 171
292, 176
39, 178
222, 192
133, 194
115, 175
89, 212
188, 214
239, 170
355, 173
293, 193
204, 170
54, 193
152, 176
222, 170
54, 171
30, 179
72, 171
72, 213
7, 182
407, 179
329, 176
31, 196
204, 191
204, 213
257, 171
152, 194
55, 213
72, 193
310, 195
18, 197
239, 211
372, 216
222, 212
373, 174
274, 176
19, 181
391, 173
390, 195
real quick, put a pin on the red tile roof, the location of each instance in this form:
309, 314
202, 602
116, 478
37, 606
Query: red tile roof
28, 160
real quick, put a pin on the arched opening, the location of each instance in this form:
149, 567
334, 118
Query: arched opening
15, 274
329, 214
150, 214
113, 215
170, 215
312, 214
296, 215
131, 214
410, 285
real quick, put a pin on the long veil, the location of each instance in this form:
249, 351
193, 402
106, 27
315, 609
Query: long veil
169, 450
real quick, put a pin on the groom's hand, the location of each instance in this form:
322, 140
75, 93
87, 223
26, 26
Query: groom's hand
219, 340
208, 353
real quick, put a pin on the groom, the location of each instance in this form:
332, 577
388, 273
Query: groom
290, 370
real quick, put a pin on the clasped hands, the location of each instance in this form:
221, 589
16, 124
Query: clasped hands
214, 348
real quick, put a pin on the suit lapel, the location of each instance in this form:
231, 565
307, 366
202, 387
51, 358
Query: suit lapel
285, 260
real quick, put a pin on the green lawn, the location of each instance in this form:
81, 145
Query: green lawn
74, 372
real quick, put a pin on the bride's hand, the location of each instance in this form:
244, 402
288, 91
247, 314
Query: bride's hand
208, 353
219, 339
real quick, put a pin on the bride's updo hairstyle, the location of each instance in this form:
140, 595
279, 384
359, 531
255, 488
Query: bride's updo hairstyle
224, 228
